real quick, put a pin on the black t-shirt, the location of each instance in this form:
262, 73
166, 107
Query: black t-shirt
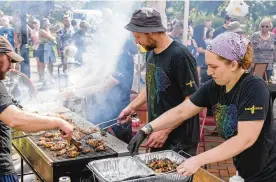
248, 100
171, 77
219, 30
6, 166
111, 103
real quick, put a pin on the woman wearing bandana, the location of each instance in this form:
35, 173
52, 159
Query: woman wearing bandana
242, 110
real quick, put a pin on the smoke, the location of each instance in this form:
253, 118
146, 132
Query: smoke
107, 43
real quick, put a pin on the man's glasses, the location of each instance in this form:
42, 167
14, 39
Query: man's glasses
265, 26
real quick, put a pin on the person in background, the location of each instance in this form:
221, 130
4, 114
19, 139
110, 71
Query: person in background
80, 39
208, 25
46, 54
169, 26
264, 43
116, 90
21, 44
6, 30
13, 117
201, 47
235, 27
64, 37
35, 39
74, 24
209, 36
223, 28
243, 112
177, 31
171, 78
191, 43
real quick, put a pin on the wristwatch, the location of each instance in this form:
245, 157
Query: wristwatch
147, 129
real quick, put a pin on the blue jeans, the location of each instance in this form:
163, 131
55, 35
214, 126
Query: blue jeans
9, 178
25, 64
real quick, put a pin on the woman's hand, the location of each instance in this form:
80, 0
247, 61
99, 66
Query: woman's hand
189, 166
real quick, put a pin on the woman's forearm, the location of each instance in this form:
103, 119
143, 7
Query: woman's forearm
224, 151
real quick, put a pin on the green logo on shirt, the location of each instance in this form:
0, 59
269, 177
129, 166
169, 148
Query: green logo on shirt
253, 108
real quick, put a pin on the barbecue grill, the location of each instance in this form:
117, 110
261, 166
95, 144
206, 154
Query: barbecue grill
49, 168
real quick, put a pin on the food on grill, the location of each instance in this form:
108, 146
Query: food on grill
103, 132
101, 148
44, 139
47, 144
73, 154
85, 150
78, 135
89, 131
94, 142
50, 135
58, 146
61, 152
162, 165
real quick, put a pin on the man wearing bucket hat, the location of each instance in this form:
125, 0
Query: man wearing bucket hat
171, 78
243, 112
235, 27
13, 117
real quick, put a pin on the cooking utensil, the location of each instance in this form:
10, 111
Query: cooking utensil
112, 120
73, 141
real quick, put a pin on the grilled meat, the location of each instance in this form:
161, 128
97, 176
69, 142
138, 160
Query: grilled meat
162, 165
88, 131
44, 139
101, 148
61, 152
47, 144
103, 132
50, 135
73, 154
58, 146
86, 150
94, 142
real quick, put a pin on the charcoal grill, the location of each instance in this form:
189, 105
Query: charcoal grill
49, 168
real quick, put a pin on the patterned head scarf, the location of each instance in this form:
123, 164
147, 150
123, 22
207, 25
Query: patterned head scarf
229, 45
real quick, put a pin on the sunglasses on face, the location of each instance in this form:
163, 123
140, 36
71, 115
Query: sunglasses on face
265, 26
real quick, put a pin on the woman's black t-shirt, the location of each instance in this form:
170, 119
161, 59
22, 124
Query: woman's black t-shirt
248, 100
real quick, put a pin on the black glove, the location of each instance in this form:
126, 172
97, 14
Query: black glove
136, 141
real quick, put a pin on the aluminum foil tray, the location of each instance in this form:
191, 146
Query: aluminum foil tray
169, 154
119, 169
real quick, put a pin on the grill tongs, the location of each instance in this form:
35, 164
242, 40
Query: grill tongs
116, 119
73, 142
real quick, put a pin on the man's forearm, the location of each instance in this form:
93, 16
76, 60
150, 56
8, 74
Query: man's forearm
29, 122
139, 100
223, 151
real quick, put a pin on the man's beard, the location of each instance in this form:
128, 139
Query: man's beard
149, 48
2, 75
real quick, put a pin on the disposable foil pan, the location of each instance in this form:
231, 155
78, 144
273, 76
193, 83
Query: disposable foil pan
169, 154
119, 169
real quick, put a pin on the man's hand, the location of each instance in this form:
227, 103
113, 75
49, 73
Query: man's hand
128, 111
157, 139
136, 141
67, 128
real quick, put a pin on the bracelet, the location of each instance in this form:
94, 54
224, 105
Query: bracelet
147, 129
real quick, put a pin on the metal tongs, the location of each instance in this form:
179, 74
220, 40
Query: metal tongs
116, 119
73, 141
